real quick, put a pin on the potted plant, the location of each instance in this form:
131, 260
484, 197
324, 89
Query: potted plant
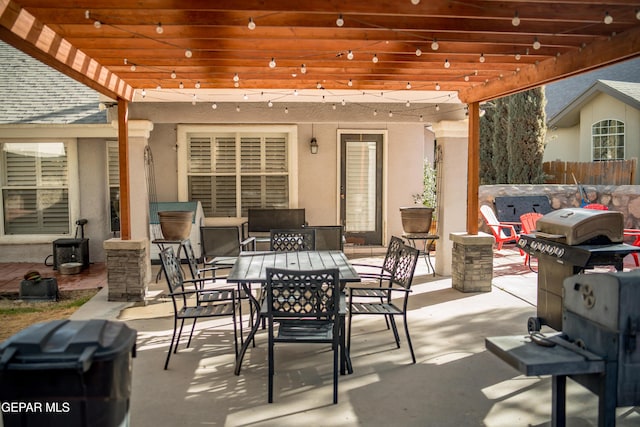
418, 218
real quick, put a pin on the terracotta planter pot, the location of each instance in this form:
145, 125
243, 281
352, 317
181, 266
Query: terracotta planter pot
416, 219
175, 225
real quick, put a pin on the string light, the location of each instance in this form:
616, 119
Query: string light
437, 107
270, 104
214, 106
97, 24
198, 85
638, 14
143, 93
238, 108
159, 28
447, 64
194, 99
408, 104
286, 110
251, 25
350, 55
173, 75
516, 20
340, 21
188, 53
482, 58
375, 58
245, 97
181, 85
518, 56
390, 113
350, 83
435, 45
437, 86
608, 19
303, 69
236, 77
418, 52
375, 112
408, 85
272, 63
415, 2
319, 86
536, 44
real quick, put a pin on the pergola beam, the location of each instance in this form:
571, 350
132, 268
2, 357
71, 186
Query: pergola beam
23, 31
615, 49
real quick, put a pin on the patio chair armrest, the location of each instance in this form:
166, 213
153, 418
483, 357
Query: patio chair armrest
249, 241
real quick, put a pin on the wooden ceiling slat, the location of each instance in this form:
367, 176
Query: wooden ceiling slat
297, 32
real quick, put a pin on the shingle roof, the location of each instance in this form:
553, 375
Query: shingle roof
32, 92
627, 92
562, 93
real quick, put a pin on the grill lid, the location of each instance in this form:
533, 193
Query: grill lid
579, 226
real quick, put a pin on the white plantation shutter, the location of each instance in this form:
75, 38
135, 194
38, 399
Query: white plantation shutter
230, 173
35, 188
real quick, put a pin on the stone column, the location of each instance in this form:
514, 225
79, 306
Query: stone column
452, 137
127, 271
472, 263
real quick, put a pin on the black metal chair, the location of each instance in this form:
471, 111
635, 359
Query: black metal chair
306, 307
368, 302
290, 240
206, 304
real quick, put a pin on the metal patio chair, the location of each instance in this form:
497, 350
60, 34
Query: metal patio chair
195, 303
401, 279
305, 305
290, 240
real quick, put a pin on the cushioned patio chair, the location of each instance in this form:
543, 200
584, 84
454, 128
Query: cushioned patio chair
305, 306
193, 302
400, 287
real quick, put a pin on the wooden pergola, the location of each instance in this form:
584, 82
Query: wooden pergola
480, 50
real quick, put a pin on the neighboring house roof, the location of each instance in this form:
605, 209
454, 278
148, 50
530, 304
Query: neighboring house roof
562, 93
627, 92
32, 92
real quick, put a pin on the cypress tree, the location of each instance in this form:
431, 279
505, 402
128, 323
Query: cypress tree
500, 158
525, 142
487, 171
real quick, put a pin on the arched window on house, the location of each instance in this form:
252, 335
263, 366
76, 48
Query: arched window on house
607, 137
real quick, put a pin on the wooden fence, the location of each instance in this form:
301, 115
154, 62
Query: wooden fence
615, 172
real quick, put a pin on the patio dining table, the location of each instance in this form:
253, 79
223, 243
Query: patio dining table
251, 268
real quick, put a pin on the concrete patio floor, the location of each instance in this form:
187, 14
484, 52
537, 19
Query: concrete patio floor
455, 382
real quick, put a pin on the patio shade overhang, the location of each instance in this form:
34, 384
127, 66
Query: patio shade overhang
479, 50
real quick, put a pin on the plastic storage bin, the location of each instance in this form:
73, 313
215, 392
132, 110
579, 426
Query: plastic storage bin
67, 373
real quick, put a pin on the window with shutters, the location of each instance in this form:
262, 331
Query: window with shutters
608, 140
35, 188
230, 172
113, 175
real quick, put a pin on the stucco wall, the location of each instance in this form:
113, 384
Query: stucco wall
623, 198
574, 143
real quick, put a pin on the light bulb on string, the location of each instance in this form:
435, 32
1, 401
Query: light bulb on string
303, 69
173, 75
181, 85
197, 85
269, 104
350, 55
437, 86
159, 28
188, 53
435, 45
251, 25
482, 58
350, 83
418, 52
375, 58
515, 21
408, 85
236, 77
340, 21
437, 107
214, 106
447, 64
272, 63
536, 44
97, 24
608, 19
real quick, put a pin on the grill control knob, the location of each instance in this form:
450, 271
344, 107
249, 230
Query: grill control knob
588, 297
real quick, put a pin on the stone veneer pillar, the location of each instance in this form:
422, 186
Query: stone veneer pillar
472, 262
127, 272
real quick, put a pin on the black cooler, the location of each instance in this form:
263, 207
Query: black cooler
67, 373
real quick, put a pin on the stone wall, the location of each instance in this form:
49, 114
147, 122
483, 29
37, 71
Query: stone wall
623, 198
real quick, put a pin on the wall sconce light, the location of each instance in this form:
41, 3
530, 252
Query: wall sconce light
314, 146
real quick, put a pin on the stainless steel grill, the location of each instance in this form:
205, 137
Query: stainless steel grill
602, 315
567, 242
